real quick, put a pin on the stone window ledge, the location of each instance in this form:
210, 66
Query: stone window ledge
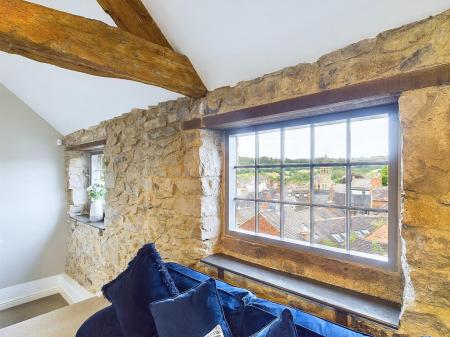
345, 302
84, 219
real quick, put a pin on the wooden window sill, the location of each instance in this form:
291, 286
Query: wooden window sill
84, 219
342, 300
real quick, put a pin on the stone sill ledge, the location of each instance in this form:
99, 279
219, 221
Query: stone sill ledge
345, 302
84, 219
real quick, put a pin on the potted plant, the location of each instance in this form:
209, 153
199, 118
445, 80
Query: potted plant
96, 193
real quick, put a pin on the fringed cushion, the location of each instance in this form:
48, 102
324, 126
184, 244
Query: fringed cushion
145, 280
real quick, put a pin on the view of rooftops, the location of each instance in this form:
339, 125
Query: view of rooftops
322, 183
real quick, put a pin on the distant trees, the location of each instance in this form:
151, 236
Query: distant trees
384, 175
301, 176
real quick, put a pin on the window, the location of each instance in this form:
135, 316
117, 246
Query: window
326, 184
97, 168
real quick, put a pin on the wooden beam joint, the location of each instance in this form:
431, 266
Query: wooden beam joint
133, 17
90, 46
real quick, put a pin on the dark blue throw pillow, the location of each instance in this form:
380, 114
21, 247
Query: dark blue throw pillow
283, 326
193, 313
255, 319
145, 280
231, 298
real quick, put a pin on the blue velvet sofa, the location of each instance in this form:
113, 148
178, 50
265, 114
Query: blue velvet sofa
257, 314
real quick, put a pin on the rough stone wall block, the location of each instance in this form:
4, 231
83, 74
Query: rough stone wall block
160, 189
425, 123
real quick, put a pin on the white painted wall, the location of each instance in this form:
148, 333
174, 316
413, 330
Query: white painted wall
32, 229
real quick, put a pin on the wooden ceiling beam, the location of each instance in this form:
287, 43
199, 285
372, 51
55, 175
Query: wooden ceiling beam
133, 17
90, 46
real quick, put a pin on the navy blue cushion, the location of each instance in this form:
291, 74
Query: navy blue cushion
194, 313
186, 278
233, 299
279, 327
255, 319
103, 323
145, 280
307, 325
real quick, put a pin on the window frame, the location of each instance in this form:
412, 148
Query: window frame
393, 163
91, 154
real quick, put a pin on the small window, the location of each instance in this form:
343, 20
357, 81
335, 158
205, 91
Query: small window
326, 184
97, 168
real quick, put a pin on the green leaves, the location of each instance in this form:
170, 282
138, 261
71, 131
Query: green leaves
96, 191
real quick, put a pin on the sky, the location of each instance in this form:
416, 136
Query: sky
369, 137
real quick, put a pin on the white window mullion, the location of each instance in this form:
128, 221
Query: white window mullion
256, 182
348, 182
282, 215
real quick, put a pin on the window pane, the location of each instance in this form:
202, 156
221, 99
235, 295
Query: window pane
97, 168
369, 186
369, 232
269, 219
245, 183
269, 147
245, 215
269, 183
329, 227
329, 195
330, 143
369, 139
296, 222
245, 149
297, 145
296, 185
329, 185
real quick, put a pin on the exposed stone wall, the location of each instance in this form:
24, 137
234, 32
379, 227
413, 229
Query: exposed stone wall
425, 125
164, 184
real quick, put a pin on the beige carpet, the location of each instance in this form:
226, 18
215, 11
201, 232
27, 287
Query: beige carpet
31, 309
63, 322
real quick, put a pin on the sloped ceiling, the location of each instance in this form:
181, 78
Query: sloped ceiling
233, 40
227, 41
69, 100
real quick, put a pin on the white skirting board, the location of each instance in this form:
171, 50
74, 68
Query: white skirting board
30, 291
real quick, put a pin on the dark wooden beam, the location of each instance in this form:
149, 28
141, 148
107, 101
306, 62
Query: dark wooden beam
192, 124
90, 46
133, 17
367, 93
95, 145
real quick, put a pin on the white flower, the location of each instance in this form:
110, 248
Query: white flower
96, 191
